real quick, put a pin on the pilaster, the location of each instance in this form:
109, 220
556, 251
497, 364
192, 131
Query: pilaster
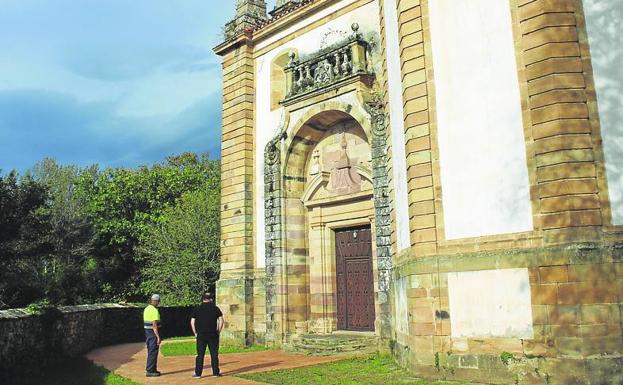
424, 199
235, 288
564, 147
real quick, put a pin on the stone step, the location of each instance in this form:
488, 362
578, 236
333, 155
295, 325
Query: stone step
331, 344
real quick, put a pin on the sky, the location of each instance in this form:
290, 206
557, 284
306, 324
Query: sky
114, 82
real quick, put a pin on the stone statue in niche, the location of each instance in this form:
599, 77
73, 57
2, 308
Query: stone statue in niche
343, 179
314, 169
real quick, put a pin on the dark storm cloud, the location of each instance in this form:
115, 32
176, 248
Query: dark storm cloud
36, 124
113, 82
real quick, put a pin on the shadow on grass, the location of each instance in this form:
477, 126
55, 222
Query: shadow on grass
75, 371
376, 370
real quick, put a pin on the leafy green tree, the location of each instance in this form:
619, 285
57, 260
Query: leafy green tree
71, 235
180, 252
68, 272
123, 203
23, 226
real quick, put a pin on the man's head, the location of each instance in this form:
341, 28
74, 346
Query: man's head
207, 297
155, 299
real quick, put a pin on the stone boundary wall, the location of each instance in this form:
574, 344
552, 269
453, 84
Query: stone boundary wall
29, 342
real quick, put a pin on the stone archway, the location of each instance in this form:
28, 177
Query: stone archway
300, 231
337, 198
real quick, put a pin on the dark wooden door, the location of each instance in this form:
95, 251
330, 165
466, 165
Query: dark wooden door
355, 284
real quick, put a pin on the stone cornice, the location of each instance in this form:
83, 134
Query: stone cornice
223, 48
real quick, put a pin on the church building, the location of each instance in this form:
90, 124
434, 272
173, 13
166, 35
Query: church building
439, 180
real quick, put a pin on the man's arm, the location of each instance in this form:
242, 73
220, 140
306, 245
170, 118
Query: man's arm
220, 323
154, 325
192, 326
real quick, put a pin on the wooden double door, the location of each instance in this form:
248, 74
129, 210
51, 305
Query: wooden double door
355, 282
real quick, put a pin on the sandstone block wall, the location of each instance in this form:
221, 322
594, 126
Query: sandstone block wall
237, 156
575, 294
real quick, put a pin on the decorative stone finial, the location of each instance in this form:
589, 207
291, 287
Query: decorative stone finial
249, 15
292, 60
356, 33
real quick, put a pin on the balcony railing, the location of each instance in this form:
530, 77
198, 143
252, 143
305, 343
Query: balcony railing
343, 60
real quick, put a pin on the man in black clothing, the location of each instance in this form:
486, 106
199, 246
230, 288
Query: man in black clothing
207, 323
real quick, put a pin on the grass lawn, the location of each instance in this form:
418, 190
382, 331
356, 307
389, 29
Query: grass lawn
189, 348
78, 371
376, 370
179, 338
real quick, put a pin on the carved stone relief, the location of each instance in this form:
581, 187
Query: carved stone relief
374, 107
344, 178
315, 169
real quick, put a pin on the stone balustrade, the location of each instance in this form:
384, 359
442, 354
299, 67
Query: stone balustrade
343, 60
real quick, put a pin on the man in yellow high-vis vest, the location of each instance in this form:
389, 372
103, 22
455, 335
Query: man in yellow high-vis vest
151, 323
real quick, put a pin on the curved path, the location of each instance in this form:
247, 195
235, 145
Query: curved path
128, 360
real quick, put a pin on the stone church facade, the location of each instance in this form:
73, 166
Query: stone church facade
437, 179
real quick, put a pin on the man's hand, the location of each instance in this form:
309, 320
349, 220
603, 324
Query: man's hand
192, 326
156, 329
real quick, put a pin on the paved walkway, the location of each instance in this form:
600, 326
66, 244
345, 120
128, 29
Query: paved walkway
129, 361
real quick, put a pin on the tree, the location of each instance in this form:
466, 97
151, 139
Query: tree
123, 203
180, 252
70, 235
23, 225
68, 272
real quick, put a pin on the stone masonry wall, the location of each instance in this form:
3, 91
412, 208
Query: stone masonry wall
576, 297
29, 342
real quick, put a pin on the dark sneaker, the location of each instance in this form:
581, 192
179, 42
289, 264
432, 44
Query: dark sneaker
152, 374
195, 375
217, 375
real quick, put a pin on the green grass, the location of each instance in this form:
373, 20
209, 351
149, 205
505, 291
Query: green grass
179, 338
78, 371
378, 370
189, 348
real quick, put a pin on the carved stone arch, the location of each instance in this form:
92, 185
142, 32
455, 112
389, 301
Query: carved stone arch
356, 111
285, 179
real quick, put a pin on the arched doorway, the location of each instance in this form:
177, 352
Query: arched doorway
328, 226
306, 208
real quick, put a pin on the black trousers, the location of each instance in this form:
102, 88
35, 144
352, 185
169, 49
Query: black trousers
152, 351
212, 343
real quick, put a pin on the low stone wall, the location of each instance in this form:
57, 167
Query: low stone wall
29, 342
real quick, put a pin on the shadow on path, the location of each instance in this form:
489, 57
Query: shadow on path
128, 360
